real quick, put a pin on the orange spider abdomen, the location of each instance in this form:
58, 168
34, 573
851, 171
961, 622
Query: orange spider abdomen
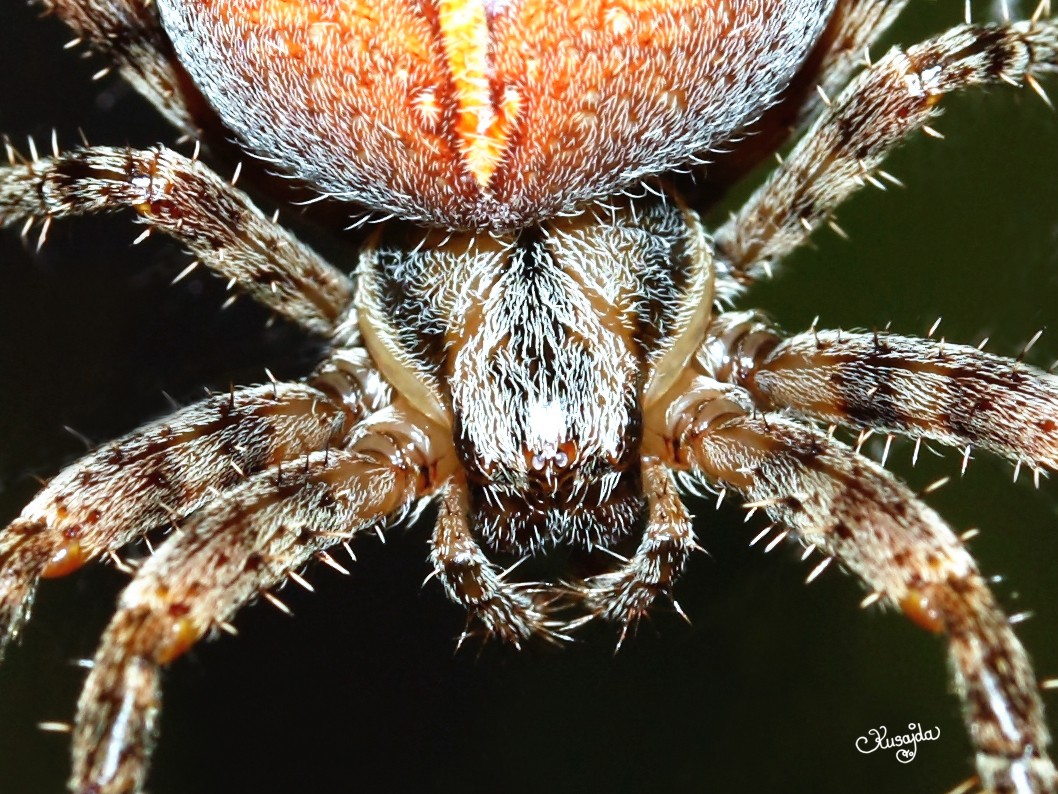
488, 113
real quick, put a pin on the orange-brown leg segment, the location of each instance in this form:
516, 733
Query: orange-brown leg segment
952, 394
250, 539
880, 108
859, 514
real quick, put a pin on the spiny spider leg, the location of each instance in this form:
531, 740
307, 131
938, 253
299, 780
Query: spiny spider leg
183, 198
858, 513
512, 612
882, 106
128, 32
153, 476
249, 539
623, 596
954, 394
856, 25
160, 473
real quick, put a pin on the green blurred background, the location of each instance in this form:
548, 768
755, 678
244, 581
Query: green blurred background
765, 692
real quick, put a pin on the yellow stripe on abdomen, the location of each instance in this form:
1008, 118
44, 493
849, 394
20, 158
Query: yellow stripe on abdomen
482, 126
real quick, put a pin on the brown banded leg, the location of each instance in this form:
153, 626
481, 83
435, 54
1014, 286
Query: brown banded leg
160, 473
623, 596
154, 476
251, 539
129, 34
855, 26
181, 197
513, 612
953, 394
879, 109
859, 514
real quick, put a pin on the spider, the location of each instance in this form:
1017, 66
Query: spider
563, 481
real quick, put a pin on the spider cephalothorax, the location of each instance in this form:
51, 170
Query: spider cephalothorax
536, 338
537, 348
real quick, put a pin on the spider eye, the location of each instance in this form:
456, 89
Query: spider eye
561, 456
567, 454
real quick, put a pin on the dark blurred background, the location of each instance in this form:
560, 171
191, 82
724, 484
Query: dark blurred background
769, 688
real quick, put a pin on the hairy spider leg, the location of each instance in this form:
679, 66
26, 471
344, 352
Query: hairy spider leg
130, 35
234, 548
183, 198
953, 394
859, 514
154, 476
624, 595
162, 472
853, 27
879, 109
514, 612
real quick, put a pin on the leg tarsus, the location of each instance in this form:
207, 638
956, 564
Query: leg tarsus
129, 33
20, 572
122, 698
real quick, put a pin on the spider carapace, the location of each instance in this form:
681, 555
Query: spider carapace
538, 335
